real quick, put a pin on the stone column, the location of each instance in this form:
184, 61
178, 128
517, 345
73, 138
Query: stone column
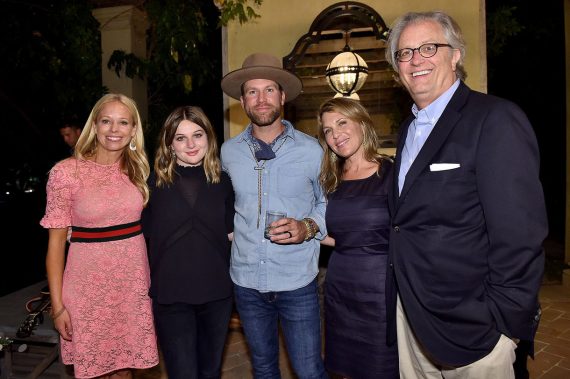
123, 28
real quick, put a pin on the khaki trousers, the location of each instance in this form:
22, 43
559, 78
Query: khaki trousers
414, 362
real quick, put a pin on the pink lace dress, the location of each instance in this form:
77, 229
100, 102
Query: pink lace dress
105, 284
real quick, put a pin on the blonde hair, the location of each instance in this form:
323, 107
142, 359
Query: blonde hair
165, 160
332, 165
133, 162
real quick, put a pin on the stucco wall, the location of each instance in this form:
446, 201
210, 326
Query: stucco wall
282, 23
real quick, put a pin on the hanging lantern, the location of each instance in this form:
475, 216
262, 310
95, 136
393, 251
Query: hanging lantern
346, 74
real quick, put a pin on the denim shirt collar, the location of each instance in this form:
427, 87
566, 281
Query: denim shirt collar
262, 150
247, 134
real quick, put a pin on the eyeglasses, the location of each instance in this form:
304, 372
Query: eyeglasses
427, 50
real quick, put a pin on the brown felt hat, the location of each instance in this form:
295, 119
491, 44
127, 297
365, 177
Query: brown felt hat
262, 66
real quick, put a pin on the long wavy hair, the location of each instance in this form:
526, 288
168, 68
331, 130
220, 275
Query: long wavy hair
332, 165
165, 159
133, 162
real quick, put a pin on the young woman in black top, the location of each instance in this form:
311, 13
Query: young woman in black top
188, 224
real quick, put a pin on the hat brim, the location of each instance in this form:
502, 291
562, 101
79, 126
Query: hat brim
291, 83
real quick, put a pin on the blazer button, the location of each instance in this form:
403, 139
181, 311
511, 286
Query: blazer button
397, 229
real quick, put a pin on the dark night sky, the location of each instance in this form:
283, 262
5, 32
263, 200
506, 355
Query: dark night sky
531, 72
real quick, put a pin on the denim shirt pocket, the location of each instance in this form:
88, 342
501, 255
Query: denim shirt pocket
293, 181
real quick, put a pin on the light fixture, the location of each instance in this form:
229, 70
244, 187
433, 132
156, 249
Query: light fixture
346, 73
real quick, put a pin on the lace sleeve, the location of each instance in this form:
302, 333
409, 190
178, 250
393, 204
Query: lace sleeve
58, 206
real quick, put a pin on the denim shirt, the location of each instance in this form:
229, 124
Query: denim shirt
289, 183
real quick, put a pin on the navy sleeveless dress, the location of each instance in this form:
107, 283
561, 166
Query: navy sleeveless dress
355, 305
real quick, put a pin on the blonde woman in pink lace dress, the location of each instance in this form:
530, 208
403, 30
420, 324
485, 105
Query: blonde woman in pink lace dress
100, 303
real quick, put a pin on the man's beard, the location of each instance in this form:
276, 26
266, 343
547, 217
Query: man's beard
263, 119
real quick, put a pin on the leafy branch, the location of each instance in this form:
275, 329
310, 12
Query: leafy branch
236, 9
5, 341
502, 25
178, 36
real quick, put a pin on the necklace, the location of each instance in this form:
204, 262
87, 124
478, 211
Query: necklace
259, 168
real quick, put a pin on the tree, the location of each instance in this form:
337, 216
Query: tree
51, 69
52, 63
183, 62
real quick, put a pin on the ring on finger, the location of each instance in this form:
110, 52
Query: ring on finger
290, 235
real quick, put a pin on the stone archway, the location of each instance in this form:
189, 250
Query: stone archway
361, 28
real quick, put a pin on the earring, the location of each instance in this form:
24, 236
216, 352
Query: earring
132, 145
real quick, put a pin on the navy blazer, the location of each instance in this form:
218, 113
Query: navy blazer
466, 243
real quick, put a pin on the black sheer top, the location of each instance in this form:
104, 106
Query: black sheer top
186, 226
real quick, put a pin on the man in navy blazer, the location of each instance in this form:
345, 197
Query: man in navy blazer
468, 214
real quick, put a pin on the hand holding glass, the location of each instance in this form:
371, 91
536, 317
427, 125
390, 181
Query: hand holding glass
270, 217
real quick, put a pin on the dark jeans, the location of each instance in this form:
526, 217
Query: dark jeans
192, 337
298, 312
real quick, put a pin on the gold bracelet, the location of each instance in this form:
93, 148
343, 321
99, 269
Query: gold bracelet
58, 313
314, 226
309, 227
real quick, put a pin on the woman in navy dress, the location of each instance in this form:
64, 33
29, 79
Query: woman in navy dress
355, 178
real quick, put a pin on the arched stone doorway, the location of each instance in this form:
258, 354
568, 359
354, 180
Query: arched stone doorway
361, 28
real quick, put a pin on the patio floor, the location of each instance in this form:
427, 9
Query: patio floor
552, 346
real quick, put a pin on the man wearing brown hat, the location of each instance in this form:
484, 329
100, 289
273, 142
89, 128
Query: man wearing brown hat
274, 167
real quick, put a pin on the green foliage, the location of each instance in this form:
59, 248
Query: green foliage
5, 341
236, 9
178, 45
502, 25
132, 64
183, 60
52, 65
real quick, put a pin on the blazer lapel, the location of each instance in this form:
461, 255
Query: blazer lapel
393, 195
436, 139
